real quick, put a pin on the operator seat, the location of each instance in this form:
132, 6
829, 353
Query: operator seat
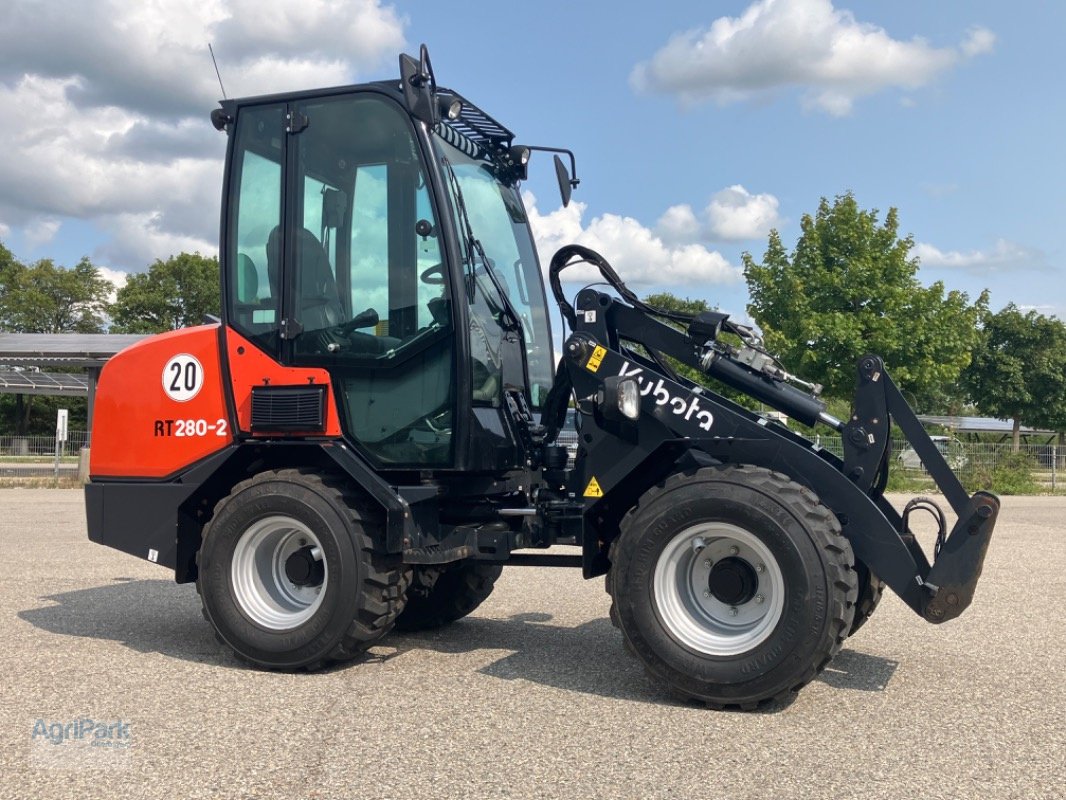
318, 303
248, 288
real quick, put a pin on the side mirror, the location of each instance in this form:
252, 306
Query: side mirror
566, 188
419, 85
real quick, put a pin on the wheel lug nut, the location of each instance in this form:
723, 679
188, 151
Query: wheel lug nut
759, 598
760, 568
706, 592
707, 562
734, 550
733, 611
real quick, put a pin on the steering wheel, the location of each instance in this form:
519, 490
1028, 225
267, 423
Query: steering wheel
433, 276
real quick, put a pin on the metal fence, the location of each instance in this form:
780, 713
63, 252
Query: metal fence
976, 461
973, 462
35, 456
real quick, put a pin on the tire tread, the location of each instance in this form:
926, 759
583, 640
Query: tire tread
383, 590
818, 519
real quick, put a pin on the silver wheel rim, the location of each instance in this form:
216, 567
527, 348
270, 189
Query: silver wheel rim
692, 614
260, 585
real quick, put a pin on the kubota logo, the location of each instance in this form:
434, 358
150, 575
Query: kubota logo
686, 408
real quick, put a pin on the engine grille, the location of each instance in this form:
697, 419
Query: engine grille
289, 408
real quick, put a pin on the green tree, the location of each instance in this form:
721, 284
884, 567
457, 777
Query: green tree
7, 264
849, 288
669, 302
172, 294
45, 298
1018, 370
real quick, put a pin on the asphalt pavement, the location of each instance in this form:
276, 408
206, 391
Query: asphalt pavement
532, 696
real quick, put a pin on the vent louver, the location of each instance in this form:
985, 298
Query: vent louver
289, 408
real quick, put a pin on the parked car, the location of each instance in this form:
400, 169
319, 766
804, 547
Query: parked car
950, 447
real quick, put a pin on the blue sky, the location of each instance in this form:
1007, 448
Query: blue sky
731, 116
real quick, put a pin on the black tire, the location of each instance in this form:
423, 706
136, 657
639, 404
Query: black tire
792, 589
362, 592
439, 596
871, 589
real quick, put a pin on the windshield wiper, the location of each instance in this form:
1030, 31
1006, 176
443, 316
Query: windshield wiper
474, 247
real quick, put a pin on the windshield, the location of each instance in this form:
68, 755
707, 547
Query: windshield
498, 221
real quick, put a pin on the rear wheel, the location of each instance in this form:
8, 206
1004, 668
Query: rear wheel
733, 585
439, 596
288, 576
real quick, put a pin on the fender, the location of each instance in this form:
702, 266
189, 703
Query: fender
162, 521
161, 406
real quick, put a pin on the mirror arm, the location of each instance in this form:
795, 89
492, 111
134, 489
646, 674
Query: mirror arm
574, 180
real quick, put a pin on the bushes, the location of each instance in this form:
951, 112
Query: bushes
1011, 474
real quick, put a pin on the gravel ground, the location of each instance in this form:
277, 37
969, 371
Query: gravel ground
532, 696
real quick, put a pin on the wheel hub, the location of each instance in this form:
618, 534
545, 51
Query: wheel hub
303, 569
718, 589
733, 581
278, 574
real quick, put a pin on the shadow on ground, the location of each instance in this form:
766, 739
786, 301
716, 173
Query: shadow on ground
155, 616
149, 616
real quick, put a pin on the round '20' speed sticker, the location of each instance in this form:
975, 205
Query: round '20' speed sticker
183, 377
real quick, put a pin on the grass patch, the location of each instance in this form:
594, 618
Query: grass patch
63, 482
1012, 474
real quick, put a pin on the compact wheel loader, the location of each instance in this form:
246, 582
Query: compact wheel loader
369, 433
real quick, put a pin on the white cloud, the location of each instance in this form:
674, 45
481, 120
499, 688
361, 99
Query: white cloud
678, 224
979, 42
809, 44
116, 276
152, 56
105, 105
4, 229
40, 231
637, 254
733, 214
1002, 255
141, 238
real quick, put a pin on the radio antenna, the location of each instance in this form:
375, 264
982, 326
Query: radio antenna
219, 74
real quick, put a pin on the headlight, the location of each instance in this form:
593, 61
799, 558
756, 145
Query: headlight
629, 397
620, 398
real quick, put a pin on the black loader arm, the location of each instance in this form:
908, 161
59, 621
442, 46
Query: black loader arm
681, 423
954, 574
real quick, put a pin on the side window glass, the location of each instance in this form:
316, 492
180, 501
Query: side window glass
370, 244
253, 269
367, 273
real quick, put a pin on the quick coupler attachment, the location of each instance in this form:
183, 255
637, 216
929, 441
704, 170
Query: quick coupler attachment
955, 572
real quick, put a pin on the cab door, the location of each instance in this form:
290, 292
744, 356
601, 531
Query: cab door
367, 292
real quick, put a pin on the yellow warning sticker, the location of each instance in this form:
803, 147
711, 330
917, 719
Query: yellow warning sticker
595, 359
593, 489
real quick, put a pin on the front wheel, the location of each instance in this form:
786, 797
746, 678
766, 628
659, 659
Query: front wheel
733, 585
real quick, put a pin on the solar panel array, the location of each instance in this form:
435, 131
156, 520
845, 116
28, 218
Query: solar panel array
32, 382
